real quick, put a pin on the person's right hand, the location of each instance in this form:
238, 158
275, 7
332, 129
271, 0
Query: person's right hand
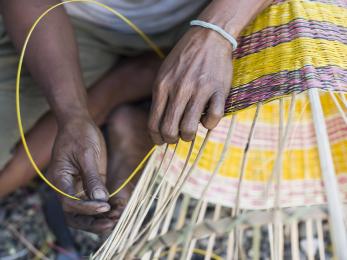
79, 160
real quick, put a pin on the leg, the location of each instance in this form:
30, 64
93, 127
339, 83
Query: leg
118, 87
128, 142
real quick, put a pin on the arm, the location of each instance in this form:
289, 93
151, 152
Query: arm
52, 59
52, 56
233, 15
197, 74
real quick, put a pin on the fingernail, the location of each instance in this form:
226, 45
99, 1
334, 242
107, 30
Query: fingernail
99, 194
103, 209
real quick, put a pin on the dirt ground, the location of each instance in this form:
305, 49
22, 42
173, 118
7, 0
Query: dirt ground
23, 228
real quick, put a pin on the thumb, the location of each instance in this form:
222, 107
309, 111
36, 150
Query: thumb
93, 174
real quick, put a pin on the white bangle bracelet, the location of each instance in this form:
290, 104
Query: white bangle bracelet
217, 29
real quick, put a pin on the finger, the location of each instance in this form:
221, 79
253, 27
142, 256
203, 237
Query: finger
65, 182
93, 168
85, 207
215, 111
62, 179
90, 224
158, 106
118, 205
172, 118
192, 116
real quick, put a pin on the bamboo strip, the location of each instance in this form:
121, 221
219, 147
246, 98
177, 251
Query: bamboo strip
189, 247
116, 236
309, 239
338, 229
256, 243
320, 239
295, 250
244, 159
212, 238
225, 225
148, 195
338, 105
216, 169
180, 223
271, 241
176, 192
230, 246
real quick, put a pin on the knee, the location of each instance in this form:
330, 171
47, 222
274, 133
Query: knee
119, 118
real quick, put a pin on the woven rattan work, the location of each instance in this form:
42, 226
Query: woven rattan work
270, 182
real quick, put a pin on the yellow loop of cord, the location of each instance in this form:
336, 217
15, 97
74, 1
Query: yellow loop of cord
18, 110
155, 48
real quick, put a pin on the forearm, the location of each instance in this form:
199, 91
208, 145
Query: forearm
233, 15
52, 54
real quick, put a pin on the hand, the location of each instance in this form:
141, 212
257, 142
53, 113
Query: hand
192, 86
79, 159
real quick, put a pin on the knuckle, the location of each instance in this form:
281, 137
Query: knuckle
182, 92
221, 96
171, 139
168, 134
210, 122
203, 79
92, 181
216, 115
162, 85
64, 181
153, 127
206, 84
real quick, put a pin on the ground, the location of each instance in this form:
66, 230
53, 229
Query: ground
22, 223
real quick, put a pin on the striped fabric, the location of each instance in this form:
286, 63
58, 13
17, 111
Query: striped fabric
292, 46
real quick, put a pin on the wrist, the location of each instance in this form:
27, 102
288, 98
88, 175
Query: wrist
77, 116
72, 114
216, 29
217, 15
233, 15
68, 101
231, 27
213, 40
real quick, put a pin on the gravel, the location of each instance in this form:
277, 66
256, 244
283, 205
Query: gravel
23, 226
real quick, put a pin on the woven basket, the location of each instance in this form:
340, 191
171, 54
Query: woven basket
274, 169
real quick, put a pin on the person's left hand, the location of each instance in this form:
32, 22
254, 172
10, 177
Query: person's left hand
192, 86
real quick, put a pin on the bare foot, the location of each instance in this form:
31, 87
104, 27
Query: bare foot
128, 142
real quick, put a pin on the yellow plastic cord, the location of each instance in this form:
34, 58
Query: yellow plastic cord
155, 48
138, 168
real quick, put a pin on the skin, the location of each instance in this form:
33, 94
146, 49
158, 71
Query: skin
191, 87
115, 88
55, 66
194, 80
128, 141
